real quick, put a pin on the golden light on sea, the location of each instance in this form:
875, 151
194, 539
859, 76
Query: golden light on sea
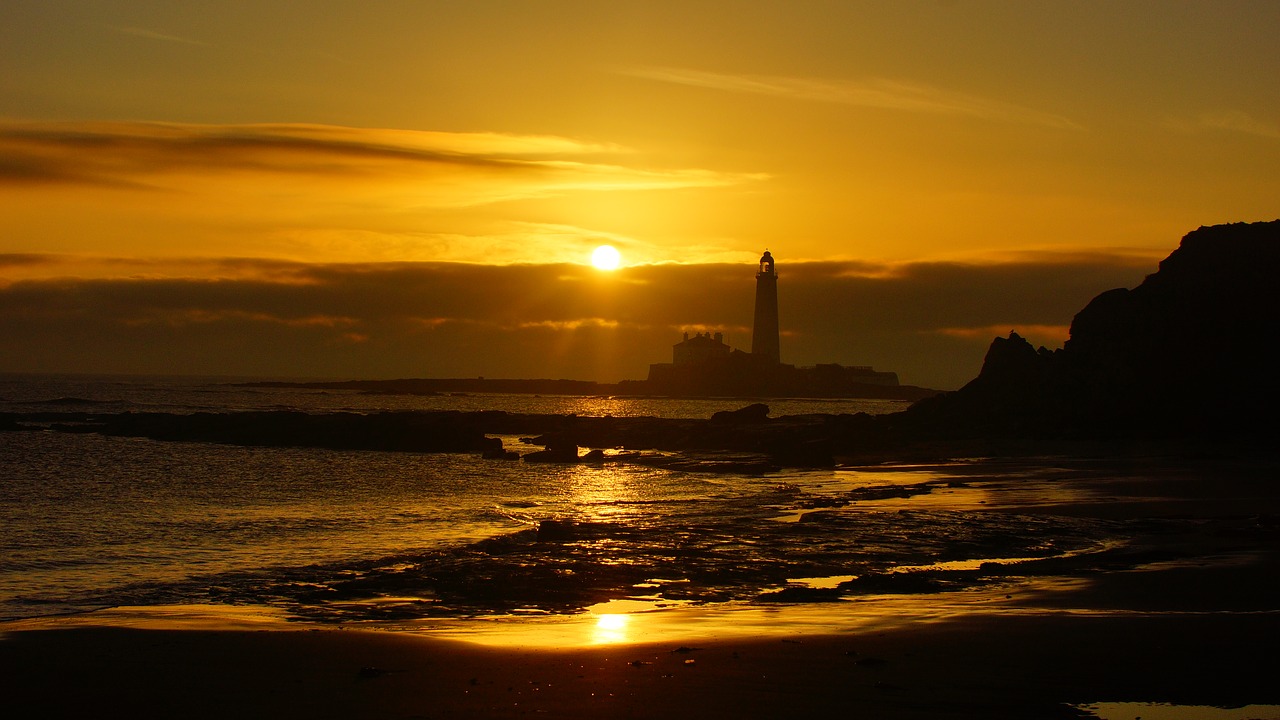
610, 628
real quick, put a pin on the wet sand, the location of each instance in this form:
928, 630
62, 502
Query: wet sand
976, 667
1193, 619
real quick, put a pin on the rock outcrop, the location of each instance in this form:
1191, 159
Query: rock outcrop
1184, 354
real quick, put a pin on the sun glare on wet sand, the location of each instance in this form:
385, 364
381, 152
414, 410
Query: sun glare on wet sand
606, 257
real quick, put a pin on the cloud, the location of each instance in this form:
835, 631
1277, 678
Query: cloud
929, 322
1047, 335
880, 93
1228, 121
54, 266
154, 35
457, 169
27, 260
320, 193
196, 316
560, 325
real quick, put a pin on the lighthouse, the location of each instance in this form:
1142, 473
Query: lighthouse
764, 333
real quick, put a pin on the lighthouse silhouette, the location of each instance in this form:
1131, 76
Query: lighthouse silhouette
764, 333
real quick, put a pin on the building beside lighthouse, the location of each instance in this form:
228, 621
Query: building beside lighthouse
699, 348
704, 365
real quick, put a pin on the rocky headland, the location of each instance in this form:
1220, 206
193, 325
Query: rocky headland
1183, 355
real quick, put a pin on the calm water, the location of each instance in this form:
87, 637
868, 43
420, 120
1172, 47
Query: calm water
89, 521
31, 393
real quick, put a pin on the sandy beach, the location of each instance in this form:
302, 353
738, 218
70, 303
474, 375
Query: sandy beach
978, 667
1189, 619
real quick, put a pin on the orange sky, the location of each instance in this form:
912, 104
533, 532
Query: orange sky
902, 160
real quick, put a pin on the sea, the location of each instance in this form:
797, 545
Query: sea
90, 522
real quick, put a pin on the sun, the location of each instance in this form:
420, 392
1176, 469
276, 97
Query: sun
606, 257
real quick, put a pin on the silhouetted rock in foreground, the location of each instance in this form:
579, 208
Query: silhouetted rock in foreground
1184, 354
754, 413
557, 452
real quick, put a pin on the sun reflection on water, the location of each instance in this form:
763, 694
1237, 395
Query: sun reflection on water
602, 492
610, 628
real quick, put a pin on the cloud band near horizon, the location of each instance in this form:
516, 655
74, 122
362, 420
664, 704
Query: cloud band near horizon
930, 322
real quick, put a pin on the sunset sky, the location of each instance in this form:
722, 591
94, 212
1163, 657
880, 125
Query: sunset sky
414, 189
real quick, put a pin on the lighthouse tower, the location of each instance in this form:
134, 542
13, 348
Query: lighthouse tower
764, 334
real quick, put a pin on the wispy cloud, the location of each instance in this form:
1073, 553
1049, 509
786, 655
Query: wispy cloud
1050, 335
881, 93
930, 322
1229, 121
573, 324
318, 191
457, 169
155, 35
27, 260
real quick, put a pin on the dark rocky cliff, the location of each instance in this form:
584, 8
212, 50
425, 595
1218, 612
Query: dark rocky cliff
1187, 353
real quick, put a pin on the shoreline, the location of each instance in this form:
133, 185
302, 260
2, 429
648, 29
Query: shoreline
1187, 617
991, 664
1198, 631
